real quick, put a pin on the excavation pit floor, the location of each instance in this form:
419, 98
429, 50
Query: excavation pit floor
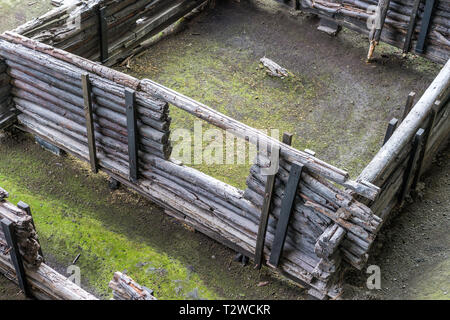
334, 102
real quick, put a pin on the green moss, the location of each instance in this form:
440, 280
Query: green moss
67, 227
434, 284
14, 13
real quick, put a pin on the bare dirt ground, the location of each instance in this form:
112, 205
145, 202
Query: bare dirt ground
9, 290
414, 247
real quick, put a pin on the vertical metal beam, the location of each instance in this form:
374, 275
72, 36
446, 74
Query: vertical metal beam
411, 25
287, 138
132, 134
265, 211
264, 218
103, 33
285, 214
88, 112
430, 125
16, 258
390, 129
25, 207
409, 104
424, 25
408, 174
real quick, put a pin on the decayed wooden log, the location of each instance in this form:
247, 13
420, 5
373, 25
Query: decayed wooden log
250, 134
3, 194
45, 283
129, 23
273, 68
327, 199
125, 288
354, 14
26, 235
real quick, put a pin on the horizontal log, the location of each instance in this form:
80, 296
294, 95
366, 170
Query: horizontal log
47, 284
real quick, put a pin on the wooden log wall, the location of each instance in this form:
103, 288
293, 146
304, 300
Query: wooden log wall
44, 282
325, 218
354, 15
387, 168
46, 89
6, 105
76, 27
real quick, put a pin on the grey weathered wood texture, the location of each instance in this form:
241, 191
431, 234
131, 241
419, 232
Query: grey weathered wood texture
354, 14
75, 27
46, 89
125, 288
43, 282
329, 228
6, 106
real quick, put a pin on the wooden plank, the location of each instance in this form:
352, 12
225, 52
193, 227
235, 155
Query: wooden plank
287, 138
285, 214
262, 229
390, 129
408, 174
411, 25
104, 55
132, 134
384, 159
409, 104
424, 26
430, 125
87, 94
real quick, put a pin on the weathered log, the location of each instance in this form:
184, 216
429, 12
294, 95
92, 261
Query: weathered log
125, 288
407, 128
45, 283
26, 235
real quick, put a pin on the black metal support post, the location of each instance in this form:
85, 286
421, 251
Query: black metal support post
424, 26
103, 32
409, 170
16, 258
390, 129
88, 111
285, 214
132, 134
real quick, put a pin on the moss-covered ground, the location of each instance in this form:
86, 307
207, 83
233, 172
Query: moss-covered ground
14, 13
